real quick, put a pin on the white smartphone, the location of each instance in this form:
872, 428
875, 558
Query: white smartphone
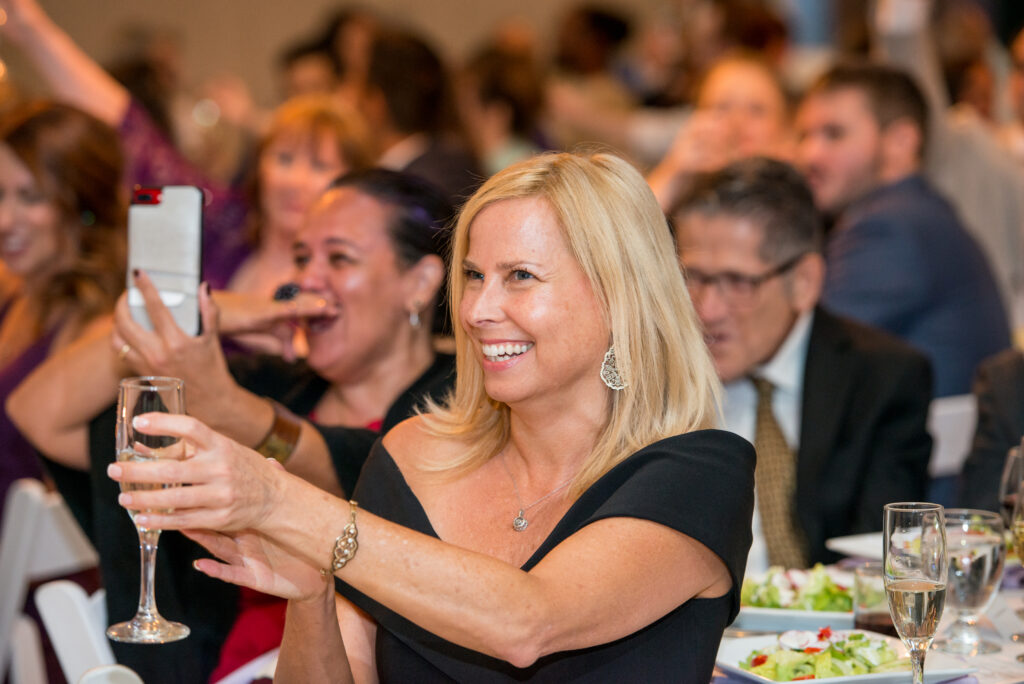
165, 238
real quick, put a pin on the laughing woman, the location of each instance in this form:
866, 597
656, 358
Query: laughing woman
563, 515
62, 247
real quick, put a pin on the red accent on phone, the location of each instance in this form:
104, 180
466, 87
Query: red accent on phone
146, 195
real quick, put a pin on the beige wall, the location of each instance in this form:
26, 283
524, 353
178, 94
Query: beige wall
245, 36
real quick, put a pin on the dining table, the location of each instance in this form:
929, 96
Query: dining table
998, 624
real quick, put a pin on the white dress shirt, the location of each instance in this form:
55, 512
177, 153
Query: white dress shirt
785, 371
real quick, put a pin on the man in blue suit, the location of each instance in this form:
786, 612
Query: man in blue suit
898, 256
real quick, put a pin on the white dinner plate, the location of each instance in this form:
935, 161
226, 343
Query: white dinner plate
867, 545
782, 619
938, 667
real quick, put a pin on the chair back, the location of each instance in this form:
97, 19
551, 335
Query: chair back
951, 422
76, 624
110, 674
39, 539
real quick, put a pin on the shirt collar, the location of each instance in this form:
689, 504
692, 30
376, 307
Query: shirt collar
785, 370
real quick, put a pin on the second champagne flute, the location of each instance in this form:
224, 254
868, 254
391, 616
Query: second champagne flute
915, 567
137, 396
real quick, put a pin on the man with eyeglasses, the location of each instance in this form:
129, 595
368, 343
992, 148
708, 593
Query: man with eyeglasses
898, 257
836, 410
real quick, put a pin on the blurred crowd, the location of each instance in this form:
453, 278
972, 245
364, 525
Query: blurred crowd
899, 127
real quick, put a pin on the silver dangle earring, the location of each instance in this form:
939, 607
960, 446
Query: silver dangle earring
414, 315
610, 372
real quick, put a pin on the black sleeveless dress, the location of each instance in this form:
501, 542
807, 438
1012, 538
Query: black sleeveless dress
701, 484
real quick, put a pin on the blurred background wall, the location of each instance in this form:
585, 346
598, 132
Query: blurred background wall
245, 37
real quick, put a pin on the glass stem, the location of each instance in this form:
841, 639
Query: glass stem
917, 663
147, 549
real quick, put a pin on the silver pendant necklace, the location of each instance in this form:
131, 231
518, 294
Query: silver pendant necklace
520, 523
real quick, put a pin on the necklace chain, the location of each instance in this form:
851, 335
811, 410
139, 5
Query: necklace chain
519, 523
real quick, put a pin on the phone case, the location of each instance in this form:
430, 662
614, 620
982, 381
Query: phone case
165, 240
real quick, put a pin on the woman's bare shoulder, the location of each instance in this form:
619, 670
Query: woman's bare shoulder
411, 443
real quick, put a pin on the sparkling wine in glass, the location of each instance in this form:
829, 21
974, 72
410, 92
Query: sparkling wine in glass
137, 396
977, 551
915, 567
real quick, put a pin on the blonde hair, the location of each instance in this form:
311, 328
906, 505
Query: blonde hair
310, 118
618, 234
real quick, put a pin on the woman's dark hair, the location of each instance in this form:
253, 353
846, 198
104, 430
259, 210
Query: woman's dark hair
510, 79
420, 219
77, 162
413, 80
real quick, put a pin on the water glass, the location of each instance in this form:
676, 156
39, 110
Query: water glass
977, 553
870, 604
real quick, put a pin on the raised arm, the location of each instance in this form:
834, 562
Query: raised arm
579, 595
72, 75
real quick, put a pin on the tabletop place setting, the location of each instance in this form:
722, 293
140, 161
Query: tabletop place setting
880, 615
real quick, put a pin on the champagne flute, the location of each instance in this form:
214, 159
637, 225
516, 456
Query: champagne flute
915, 566
137, 396
977, 550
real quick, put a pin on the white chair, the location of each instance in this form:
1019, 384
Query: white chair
110, 674
76, 624
27, 663
951, 422
40, 539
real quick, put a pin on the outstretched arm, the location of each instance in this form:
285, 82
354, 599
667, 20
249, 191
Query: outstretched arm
72, 75
579, 595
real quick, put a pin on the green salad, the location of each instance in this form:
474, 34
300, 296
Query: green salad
813, 589
801, 655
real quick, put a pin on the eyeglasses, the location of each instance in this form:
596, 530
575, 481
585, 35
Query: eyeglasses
737, 289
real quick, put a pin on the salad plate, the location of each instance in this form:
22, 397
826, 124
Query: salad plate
781, 599
939, 667
867, 546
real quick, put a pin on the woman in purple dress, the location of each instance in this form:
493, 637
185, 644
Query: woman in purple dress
62, 246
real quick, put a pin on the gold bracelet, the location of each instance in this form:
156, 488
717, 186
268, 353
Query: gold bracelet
280, 440
345, 545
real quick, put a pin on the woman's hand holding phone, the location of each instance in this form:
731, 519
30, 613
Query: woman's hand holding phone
167, 350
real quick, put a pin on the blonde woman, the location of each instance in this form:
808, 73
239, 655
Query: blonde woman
564, 515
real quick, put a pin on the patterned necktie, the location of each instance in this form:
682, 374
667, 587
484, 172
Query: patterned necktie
775, 479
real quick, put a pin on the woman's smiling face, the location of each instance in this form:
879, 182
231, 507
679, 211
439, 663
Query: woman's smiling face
31, 240
529, 309
345, 254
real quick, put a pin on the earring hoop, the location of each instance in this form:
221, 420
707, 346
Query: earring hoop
610, 372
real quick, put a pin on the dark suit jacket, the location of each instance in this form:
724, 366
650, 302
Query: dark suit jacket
450, 167
900, 260
999, 387
863, 435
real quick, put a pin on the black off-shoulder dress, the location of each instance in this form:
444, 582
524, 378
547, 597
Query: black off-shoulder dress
701, 484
